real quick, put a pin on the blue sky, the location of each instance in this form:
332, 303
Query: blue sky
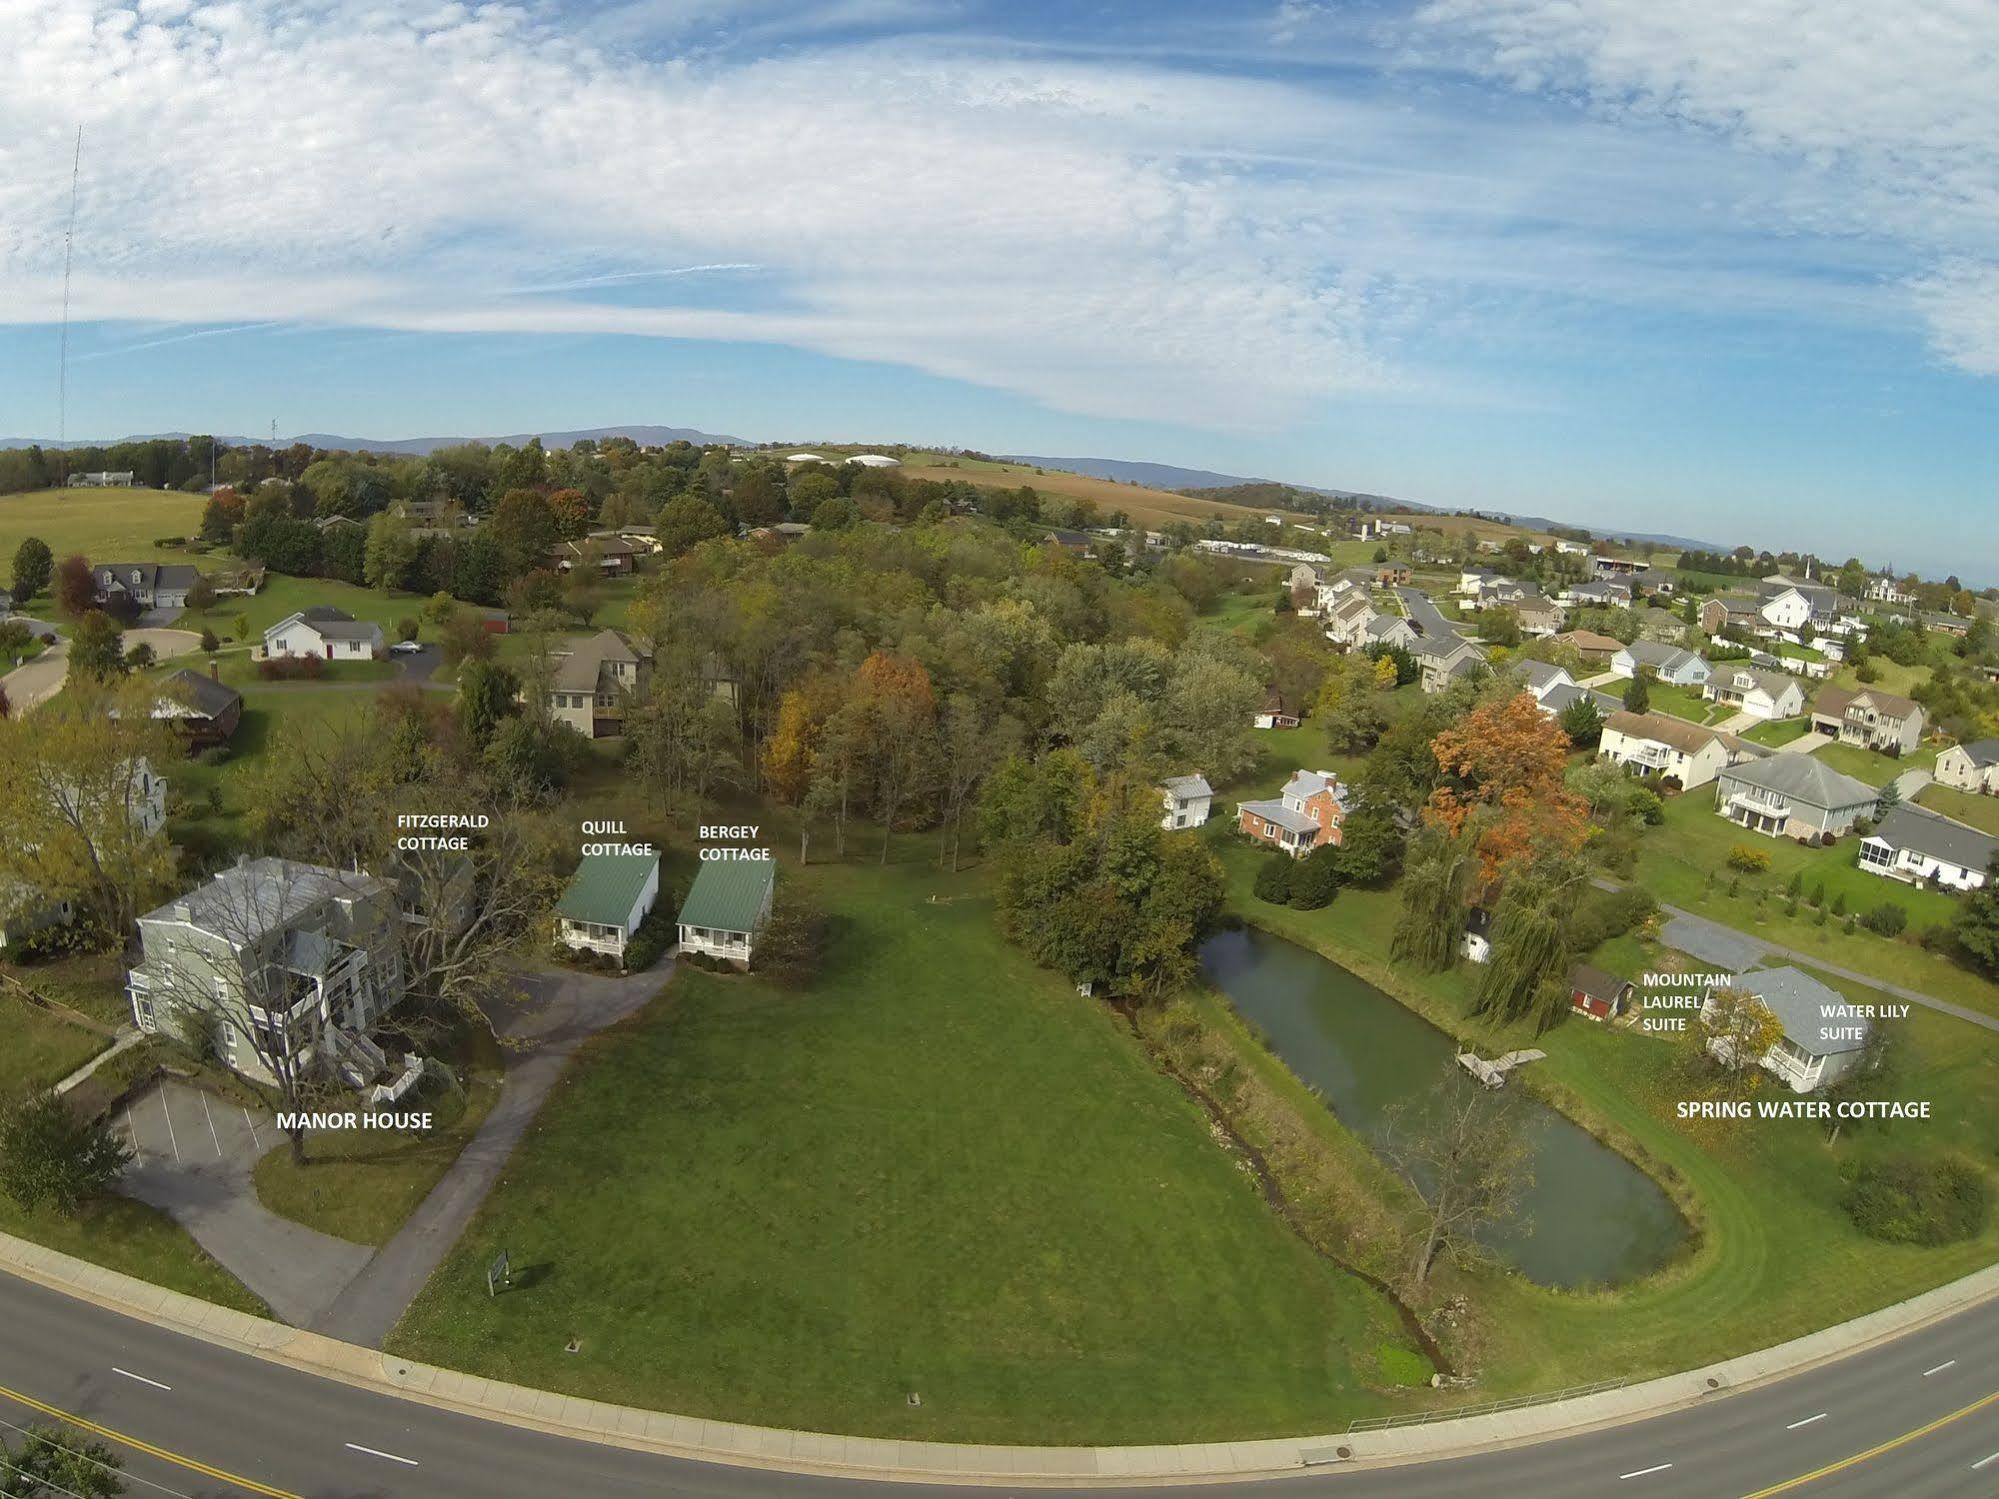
1725, 271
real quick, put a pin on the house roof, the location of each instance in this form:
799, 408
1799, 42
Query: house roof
1833, 702
1982, 752
1776, 683
208, 697
155, 575
1801, 1003
728, 894
1803, 779
248, 899
1193, 785
1540, 676
1658, 654
1273, 702
1925, 832
1381, 626
1276, 812
1688, 738
319, 614
580, 670
1304, 783
1596, 983
1589, 640
605, 887
1557, 698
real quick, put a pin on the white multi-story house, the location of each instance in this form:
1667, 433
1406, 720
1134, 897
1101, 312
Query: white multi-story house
281, 967
1972, 767
1669, 663
1186, 801
1885, 590
592, 679
1658, 745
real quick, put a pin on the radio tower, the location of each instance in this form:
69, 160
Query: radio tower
62, 372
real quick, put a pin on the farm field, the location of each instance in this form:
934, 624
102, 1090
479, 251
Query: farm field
100, 522
938, 1171
1147, 507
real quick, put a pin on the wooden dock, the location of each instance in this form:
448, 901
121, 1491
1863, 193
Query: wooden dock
1493, 1073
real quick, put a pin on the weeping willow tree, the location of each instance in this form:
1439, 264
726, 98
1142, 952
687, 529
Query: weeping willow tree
1432, 919
1531, 941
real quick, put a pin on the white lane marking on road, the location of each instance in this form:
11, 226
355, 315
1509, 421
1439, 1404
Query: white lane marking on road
172, 1138
1994, 1458
406, 1461
257, 1143
1806, 1422
1662, 1467
131, 1134
211, 1126
1949, 1363
141, 1378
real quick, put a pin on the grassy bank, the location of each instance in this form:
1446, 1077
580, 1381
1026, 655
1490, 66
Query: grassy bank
938, 1171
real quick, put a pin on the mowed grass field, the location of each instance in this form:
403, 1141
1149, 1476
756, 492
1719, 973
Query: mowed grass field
1146, 507
106, 525
1981, 812
938, 1171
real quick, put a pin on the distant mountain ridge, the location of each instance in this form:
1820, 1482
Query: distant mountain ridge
413, 446
1171, 476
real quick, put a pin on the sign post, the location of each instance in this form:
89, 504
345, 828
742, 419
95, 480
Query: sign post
498, 1274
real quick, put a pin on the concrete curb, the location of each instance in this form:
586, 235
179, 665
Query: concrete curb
702, 1440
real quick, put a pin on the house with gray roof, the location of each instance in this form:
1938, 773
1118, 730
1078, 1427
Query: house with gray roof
1972, 767
202, 710
1792, 796
1755, 690
1669, 663
150, 585
1186, 801
1823, 1039
1389, 630
1555, 701
591, 680
1922, 847
325, 631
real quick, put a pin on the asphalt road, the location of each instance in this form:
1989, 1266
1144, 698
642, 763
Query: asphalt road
1871, 1417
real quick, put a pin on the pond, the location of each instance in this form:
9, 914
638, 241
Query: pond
1590, 1217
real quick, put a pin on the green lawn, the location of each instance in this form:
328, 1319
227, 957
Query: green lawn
1980, 812
283, 595
938, 1171
1775, 1256
363, 1185
39, 1049
1888, 676
1685, 702
1778, 731
1866, 765
106, 525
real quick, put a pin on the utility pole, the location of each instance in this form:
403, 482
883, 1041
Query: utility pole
62, 372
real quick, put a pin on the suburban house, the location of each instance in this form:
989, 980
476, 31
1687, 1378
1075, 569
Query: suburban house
25, 909
1789, 605
1717, 614
273, 959
1922, 847
1885, 590
1389, 630
1304, 816
1540, 677
1669, 663
325, 631
1955, 625
203, 711
1660, 745
1590, 645
1596, 995
1273, 714
1473, 579
615, 556
1186, 800
121, 479
608, 896
430, 514
1822, 1041
1870, 718
1756, 690
1555, 701
1391, 574
728, 906
1970, 767
1347, 618
1303, 577
150, 585
591, 680
1598, 593
1444, 659
1792, 796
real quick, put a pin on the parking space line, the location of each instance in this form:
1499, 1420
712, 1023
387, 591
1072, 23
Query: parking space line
211, 1125
166, 1114
132, 1134
255, 1142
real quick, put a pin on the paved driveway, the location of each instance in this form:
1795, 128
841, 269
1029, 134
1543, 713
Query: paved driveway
193, 1155
39, 680
1804, 744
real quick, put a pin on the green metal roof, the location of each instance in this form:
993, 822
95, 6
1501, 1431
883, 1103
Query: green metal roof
728, 894
606, 887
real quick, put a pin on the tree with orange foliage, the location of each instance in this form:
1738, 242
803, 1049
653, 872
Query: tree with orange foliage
787, 757
1502, 765
900, 711
571, 509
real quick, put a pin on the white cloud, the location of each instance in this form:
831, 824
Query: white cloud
1888, 113
1045, 229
